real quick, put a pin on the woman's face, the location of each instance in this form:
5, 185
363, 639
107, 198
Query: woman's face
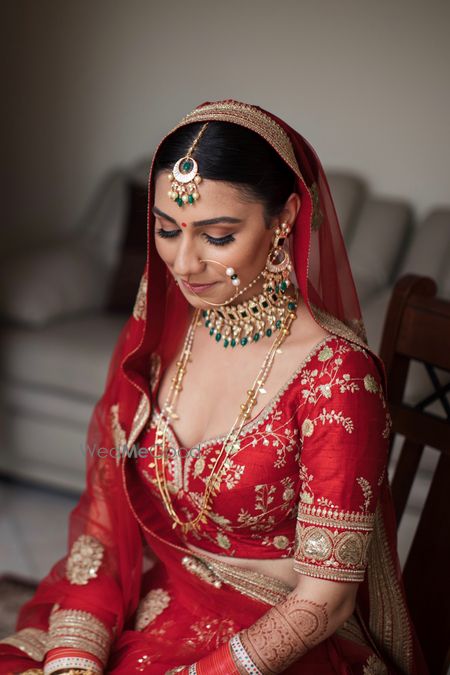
221, 226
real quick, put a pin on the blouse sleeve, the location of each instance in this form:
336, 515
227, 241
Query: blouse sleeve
344, 427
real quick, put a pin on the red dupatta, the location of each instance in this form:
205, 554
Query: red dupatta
324, 278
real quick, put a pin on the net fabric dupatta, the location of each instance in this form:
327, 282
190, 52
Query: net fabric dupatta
113, 513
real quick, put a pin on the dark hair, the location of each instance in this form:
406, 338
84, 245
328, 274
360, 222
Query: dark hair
235, 155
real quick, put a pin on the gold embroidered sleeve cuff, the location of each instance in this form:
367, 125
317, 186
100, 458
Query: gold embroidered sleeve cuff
31, 641
332, 544
84, 560
79, 630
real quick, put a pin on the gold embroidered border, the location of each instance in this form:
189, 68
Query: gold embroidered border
84, 560
252, 584
139, 419
331, 554
331, 573
150, 607
80, 630
334, 518
388, 621
140, 302
250, 117
31, 641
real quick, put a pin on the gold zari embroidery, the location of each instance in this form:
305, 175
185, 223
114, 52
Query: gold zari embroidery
79, 630
84, 560
253, 584
140, 302
31, 641
332, 554
151, 606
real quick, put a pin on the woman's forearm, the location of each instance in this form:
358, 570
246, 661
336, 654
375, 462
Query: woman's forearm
290, 629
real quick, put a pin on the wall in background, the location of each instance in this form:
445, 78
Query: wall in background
94, 85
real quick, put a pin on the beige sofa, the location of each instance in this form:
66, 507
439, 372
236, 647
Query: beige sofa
56, 337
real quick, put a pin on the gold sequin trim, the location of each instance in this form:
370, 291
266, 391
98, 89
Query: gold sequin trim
141, 302
151, 606
355, 332
139, 419
389, 621
252, 584
250, 117
374, 666
31, 641
79, 630
119, 436
317, 214
85, 559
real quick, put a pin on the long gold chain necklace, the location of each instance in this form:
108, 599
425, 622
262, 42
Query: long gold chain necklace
229, 445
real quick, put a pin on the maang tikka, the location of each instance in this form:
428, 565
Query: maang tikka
184, 176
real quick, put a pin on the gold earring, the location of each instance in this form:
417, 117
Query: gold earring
278, 265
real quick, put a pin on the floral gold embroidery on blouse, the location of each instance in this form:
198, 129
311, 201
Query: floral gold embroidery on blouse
84, 560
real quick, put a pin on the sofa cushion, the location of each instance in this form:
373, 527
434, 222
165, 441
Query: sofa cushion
429, 252
348, 193
71, 355
378, 243
38, 286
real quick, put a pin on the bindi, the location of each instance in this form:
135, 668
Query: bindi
183, 224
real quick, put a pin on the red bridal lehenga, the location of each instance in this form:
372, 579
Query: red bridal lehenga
307, 481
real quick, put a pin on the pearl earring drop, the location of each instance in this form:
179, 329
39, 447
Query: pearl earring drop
234, 277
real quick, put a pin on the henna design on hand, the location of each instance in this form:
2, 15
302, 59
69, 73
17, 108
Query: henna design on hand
284, 633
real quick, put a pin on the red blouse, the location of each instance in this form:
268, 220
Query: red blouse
304, 478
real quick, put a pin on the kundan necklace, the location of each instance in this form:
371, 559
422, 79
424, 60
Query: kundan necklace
229, 446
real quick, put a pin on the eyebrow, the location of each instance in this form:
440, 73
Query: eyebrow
198, 223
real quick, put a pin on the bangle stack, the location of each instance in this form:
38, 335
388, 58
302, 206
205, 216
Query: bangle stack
242, 656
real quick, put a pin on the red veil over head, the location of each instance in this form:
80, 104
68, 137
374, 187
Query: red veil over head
158, 324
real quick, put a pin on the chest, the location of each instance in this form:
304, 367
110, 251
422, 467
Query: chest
214, 388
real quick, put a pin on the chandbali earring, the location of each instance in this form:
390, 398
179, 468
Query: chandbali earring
278, 265
184, 176
262, 314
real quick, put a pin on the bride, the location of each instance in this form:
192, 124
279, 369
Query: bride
237, 516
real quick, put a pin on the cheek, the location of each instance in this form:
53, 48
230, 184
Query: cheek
165, 249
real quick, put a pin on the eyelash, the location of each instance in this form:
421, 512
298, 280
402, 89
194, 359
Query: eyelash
167, 234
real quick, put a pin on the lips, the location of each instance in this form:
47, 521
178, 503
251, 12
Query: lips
197, 287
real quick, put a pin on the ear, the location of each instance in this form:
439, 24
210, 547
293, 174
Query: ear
290, 210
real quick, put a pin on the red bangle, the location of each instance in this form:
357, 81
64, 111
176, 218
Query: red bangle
219, 662
63, 652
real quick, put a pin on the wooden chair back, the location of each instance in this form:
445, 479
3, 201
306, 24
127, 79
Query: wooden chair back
417, 329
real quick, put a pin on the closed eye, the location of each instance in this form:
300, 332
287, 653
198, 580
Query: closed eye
215, 241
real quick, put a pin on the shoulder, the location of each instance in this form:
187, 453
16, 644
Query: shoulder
338, 370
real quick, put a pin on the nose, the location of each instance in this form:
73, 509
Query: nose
187, 258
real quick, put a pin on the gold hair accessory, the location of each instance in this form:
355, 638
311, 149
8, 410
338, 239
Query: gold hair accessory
184, 177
